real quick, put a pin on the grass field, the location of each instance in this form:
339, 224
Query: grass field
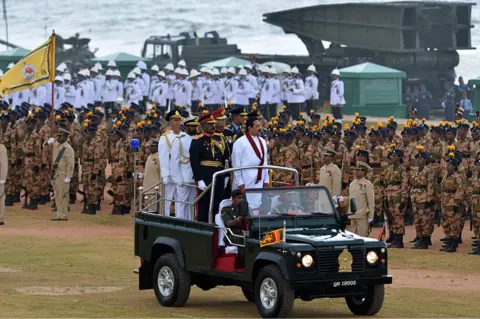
83, 268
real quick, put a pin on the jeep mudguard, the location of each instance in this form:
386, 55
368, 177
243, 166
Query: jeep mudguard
271, 258
170, 243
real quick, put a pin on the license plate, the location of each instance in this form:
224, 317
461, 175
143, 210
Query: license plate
345, 283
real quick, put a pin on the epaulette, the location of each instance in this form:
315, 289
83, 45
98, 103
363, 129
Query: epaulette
198, 136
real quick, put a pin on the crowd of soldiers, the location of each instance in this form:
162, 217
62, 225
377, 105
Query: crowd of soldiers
430, 173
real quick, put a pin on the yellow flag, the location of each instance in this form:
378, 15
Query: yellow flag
34, 69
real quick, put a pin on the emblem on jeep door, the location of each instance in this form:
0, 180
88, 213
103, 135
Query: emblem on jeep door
345, 260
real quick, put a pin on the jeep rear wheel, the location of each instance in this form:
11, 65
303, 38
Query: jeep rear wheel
171, 282
248, 294
368, 304
273, 295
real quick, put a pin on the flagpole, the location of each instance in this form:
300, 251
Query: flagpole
52, 108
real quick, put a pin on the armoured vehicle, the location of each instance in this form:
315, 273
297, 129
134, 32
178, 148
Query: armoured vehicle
420, 38
316, 259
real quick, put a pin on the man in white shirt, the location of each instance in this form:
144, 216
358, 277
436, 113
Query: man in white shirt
311, 88
59, 91
146, 83
98, 83
133, 93
337, 100
196, 84
168, 167
81, 91
160, 92
110, 93
181, 163
297, 93
251, 150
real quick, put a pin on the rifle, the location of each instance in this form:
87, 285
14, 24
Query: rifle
438, 216
387, 216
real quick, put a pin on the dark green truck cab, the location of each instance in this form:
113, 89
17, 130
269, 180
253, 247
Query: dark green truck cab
316, 258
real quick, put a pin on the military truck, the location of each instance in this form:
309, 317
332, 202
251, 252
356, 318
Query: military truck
420, 38
317, 257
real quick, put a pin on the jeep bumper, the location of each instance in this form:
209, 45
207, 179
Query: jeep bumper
336, 287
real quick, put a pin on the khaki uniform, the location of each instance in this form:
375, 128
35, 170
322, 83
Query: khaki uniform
476, 203
363, 191
379, 164
397, 181
229, 216
63, 170
3, 177
331, 178
152, 174
422, 195
453, 192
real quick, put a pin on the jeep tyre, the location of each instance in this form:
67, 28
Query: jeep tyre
248, 294
170, 281
368, 304
274, 296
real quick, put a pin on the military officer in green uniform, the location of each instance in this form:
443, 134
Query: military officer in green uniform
231, 218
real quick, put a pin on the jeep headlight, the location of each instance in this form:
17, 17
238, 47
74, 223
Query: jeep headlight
307, 261
372, 257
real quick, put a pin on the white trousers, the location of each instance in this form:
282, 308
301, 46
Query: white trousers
170, 193
185, 194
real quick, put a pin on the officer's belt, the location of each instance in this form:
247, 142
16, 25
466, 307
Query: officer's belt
29, 154
420, 186
449, 191
375, 165
211, 163
395, 183
477, 192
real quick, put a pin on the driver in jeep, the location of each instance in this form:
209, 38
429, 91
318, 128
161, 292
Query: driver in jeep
285, 203
231, 218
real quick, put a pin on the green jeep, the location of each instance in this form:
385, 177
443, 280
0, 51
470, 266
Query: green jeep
314, 256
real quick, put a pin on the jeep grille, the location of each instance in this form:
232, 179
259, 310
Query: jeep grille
327, 260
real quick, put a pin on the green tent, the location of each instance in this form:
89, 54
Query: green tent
11, 55
226, 63
125, 61
373, 90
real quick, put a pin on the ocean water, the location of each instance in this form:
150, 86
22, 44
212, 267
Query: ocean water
119, 25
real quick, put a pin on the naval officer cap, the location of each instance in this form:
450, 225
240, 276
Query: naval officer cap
112, 64
191, 121
238, 110
237, 192
142, 65
173, 114
330, 152
362, 166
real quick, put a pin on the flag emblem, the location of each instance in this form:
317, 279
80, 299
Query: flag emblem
273, 237
28, 72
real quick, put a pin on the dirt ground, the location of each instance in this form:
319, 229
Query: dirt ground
84, 268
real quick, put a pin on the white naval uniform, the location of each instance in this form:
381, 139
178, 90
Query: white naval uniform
276, 90
253, 85
153, 83
265, 92
244, 155
48, 92
336, 93
90, 96
182, 92
196, 90
141, 85
285, 93
209, 91
183, 175
69, 93
298, 93
98, 84
219, 96
160, 93
38, 95
170, 79
243, 92
230, 87
167, 142
81, 95
19, 97
120, 89
59, 96
110, 90
133, 93
311, 88
146, 83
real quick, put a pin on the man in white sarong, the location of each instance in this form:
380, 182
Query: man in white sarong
251, 150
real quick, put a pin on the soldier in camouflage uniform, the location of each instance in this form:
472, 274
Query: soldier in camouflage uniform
90, 169
476, 207
422, 182
32, 163
306, 159
396, 180
361, 141
17, 141
44, 131
76, 140
451, 200
8, 141
378, 163
120, 167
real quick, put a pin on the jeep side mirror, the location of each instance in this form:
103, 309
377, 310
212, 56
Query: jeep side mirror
243, 209
353, 205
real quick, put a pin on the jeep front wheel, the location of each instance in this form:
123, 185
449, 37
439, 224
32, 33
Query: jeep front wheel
368, 304
171, 282
273, 295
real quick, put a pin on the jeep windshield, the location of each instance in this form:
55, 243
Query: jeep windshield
297, 201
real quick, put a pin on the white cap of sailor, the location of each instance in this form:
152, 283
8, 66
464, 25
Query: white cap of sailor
336, 72
248, 66
10, 65
184, 72
59, 78
155, 68
112, 64
94, 69
61, 67
178, 71
182, 63
136, 70
231, 70
99, 67
294, 70
242, 72
203, 69
223, 70
272, 71
193, 73
168, 67
287, 70
109, 73
117, 73
215, 72
161, 74
312, 68
67, 77
142, 65
131, 75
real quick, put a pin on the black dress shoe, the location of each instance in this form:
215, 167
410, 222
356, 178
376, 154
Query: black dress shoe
2, 223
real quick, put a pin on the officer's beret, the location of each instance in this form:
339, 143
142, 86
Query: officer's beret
384, 132
317, 136
424, 155
374, 132
414, 131
173, 114
406, 131
363, 153
453, 161
349, 133
451, 129
92, 128
299, 128
397, 152
337, 133
436, 129
308, 134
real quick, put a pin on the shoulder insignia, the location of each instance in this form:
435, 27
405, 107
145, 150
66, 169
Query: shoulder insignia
198, 136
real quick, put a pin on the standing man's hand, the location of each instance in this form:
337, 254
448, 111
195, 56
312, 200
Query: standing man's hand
338, 105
